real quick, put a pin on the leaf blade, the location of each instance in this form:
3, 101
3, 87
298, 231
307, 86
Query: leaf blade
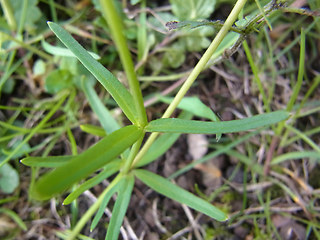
166, 188
174, 125
48, 162
120, 207
120, 94
61, 178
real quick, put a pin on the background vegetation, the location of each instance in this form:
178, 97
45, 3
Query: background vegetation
266, 180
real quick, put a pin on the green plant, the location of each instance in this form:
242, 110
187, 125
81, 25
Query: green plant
119, 151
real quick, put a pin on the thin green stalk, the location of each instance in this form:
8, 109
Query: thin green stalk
256, 76
142, 34
53, 11
133, 152
263, 14
23, 17
115, 23
205, 58
304, 137
294, 42
300, 73
298, 85
195, 72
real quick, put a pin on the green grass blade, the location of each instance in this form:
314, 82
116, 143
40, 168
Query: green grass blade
15, 217
110, 169
304, 137
104, 204
120, 207
48, 162
170, 190
120, 94
62, 178
256, 78
295, 155
298, 84
93, 130
108, 123
175, 125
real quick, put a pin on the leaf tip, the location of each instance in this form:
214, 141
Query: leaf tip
66, 201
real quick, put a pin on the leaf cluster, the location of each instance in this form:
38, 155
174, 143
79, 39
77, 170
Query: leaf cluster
120, 151
105, 153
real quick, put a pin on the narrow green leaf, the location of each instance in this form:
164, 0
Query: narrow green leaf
120, 94
108, 123
93, 130
64, 52
110, 169
195, 106
120, 207
15, 217
48, 162
175, 125
80, 167
104, 204
295, 155
170, 190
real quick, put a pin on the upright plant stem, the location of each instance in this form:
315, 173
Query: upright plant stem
114, 21
196, 71
205, 58
8, 13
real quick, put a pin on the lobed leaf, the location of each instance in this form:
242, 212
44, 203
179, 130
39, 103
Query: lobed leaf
174, 125
170, 190
80, 167
120, 94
